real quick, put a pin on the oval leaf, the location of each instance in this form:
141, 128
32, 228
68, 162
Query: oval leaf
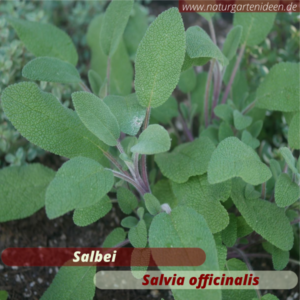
232, 42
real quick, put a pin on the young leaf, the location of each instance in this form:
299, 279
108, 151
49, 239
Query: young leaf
232, 42
264, 217
155, 139
224, 112
140, 212
256, 26
280, 90
186, 160
255, 128
3, 295
251, 193
233, 158
152, 204
114, 238
126, 200
199, 44
166, 112
159, 59
138, 235
287, 192
79, 183
129, 222
275, 168
249, 140
72, 283
289, 158
163, 190
240, 121
176, 233
205, 199
187, 80
229, 234
225, 131
294, 132
88, 215
23, 190
243, 228
95, 81
40, 118
114, 23
97, 117
51, 69
127, 111
39, 39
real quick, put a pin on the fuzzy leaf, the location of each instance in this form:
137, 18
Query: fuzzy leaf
163, 190
138, 235
186, 160
221, 249
97, 117
129, 222
3, 295
289, 158
152, 204
190, 62
187, 80
72, 283
233, 158
232, 42
225, 131
177, 228
39, 38
240, 121
279, 258
267, 297
205, 199
224, 112
88, 215
95, 81
126, 200
155, 139
255, 128
41, 119
198, 94
229, 234
51, 69
79, 183
23, 190
243, 228
159, 59
294, 132
256, 26
280, 90
275, 168
114, 23
287, 192
115, 237
264, 217
140, 212
250, 192
249, 140
166, 112
127, 111
199, 44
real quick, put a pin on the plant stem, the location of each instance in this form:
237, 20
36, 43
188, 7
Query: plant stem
113, 160
217, 89
206, 101
212, 31
236, 66
295, 221
84, 87
263, 190
186, 130
137, 171
249, 107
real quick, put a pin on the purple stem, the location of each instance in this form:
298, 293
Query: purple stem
206, 101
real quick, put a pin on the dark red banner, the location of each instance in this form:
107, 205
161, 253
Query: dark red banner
114, 257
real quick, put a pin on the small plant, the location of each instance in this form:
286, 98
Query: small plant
224, 190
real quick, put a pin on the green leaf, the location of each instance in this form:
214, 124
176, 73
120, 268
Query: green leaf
97, 117
41, 119
177, 228
3, 295
199, 44
232, 42
229, 234
126, 200
280, 90
289, 158
287, 192
221, 249
205, 199
51, 69
129, 222
187, 80
240, 121
186, 160
115, 237
267, 297
224, 112
140, 212
127, 111
154, 139
243, 229
45, 40
88, 215
114, 23
166, 112
23, 190
190, 62
136, 27
207, 15
251, 193
264, 217
152, 204
279, 258
275, 168
72, 283
233, 158
255, 128
95, 81
79, 183
163, 190
225, 131
294, 132
249, 140
256, 26
237, 265
121, 70
138, 235
159, 59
